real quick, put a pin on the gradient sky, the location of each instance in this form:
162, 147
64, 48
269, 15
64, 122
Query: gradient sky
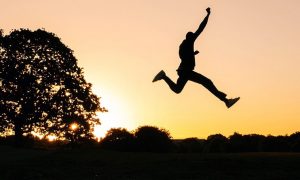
249, 49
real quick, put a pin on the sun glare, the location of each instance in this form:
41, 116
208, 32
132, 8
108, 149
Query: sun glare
99, 132
115, 117
51, 137
73, 126
35, 134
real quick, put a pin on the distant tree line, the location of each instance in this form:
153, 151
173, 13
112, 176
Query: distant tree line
153, 139
240, 143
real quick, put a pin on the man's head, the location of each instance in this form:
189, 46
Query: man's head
189, 35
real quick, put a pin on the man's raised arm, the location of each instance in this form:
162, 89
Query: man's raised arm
203, 24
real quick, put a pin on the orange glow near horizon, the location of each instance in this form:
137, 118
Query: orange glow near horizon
248, 49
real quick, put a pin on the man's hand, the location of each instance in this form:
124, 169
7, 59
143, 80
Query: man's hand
208, 10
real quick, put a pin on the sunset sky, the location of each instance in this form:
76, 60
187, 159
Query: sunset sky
249, 49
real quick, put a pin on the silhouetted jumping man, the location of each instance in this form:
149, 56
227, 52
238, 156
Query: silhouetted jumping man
186, 68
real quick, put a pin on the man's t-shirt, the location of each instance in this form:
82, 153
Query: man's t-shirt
186, 54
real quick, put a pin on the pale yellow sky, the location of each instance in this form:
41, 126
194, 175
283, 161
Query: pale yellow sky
249, 49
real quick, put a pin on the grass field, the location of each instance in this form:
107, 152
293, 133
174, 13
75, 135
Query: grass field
98, 164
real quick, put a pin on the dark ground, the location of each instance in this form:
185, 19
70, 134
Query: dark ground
98, 164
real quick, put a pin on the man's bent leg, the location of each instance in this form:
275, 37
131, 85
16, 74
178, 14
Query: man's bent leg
208, 84
177, 88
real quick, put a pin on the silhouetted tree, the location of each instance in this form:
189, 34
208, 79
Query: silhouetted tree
294, 142
42, 87
118, 139
153, 139
216, 143
276, 144
254, 142
190, 145
245, 143
236, 143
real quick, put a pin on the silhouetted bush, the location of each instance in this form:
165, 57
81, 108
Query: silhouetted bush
153, 139
118, 139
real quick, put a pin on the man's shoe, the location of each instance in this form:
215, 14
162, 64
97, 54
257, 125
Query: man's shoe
231, 102
159, 76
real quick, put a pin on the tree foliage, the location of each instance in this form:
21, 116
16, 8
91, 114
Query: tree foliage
42, 88
294, 140
190, 145
216, 143
246, 143
144, 138
153, 139
118, 139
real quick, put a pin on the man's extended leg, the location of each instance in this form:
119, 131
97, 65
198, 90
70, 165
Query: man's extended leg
208, 84
184, 76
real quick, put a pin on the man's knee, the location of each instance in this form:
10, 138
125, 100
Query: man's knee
208, 81
177, 90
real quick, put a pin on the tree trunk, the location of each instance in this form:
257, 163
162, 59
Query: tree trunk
18, 133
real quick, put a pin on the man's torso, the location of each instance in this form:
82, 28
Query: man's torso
186, 54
